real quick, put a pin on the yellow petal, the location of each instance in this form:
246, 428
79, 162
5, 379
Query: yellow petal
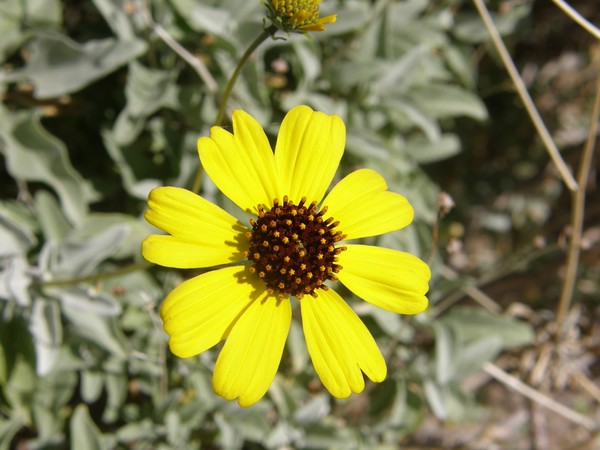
199, 313
390, 279
308, 151
364, 207
203, 235
339, 344
241, 164
320, 24
251, 355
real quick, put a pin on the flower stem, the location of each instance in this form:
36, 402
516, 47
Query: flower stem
266, 33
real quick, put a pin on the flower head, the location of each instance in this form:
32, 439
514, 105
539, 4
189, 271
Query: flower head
298, 15
294, 246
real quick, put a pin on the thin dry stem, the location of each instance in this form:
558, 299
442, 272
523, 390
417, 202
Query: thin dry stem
536, 396
586, 384
471, 290
525, 97
578, 18
578, 213
193, 61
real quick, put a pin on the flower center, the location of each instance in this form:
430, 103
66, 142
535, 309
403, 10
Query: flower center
292, 247
296, 13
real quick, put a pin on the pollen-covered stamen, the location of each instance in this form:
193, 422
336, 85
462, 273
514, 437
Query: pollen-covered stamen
292, 247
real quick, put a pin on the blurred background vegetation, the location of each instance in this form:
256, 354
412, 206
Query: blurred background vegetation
103, 100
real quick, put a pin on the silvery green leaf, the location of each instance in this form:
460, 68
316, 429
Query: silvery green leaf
353, 17
177, 433
46, 328
101, 330
230, 436
444, 100
135, 232
281, 435
137, 188
116, 391
15, 280
326, 436
459, 60
116, 18
252, 424
136, 432
22, 380
456, 358
53, 392
33, 154
201, 382
317, 101
445, 353
391, 323
470, 28
426, 150
18, 20
297, 348
56, 389
146, 91
408, 11
399, 408
59, 65
310, 62
396, 76
205, 18
472, 355
16, 231
474, 323
15, 346
366, 146
435, 399
49, 427
52, 221
85, 435
347, 74
8, 429
314, 410
407, 115
81, 253
87, 300
92, 383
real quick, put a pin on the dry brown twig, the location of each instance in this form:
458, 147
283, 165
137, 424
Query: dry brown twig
196, 63
577, 187
543, 132
578, 18
577, 213
541, 399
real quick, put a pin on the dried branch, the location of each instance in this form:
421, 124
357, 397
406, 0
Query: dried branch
578, 212
578, 18
525, 97
536, 396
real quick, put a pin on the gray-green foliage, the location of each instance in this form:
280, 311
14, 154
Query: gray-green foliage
98, 110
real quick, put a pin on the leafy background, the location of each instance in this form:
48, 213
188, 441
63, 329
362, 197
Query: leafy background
103, 100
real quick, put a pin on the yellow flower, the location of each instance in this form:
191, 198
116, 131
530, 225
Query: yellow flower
291, 247
298, 15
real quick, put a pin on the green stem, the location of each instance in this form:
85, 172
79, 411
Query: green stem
263, 36
97, 277
266, 33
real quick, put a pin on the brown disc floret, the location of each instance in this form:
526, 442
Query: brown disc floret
292, 247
